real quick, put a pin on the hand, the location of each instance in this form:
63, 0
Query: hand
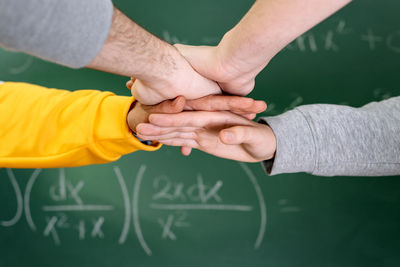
234, 76
222, 134
245, 107
178, 78
140, 113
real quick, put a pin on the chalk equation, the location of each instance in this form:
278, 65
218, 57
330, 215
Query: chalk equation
64, 208
295, 100
330, 40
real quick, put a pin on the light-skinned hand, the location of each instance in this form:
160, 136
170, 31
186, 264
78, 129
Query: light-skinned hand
179, 78
234, 76
222, 134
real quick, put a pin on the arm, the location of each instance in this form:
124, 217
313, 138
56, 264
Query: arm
47, 128
247, 48
338, 140
93, 33
318, 139
161, 71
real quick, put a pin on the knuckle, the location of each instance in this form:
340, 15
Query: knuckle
202, 142
195, 144
172, 143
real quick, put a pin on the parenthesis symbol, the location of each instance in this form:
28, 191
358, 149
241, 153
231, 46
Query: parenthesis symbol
25, 66
125, 195
18, 195
135, 207
27, 197
263, 208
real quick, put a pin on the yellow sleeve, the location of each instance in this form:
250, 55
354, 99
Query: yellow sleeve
48, 128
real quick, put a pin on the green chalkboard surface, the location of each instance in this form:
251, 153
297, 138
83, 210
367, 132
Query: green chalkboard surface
162, 209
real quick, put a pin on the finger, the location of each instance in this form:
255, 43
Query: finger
135, 92
129, 84
196, 119
168, 106
235, 104
249, 116
144, 95
148, 129
237, 135
173, 135
186, 150
181, 142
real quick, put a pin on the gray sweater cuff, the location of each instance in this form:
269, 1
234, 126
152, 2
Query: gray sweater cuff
332, 140
295, 147
67, 32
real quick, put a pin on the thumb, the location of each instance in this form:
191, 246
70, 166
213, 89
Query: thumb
187, 51
129, 83
185, 150
143, 94
199, 57
237, 135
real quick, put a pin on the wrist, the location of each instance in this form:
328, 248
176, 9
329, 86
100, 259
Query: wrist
223, 59
132, 51
160, 63
269, 142
136, 115
241, 55
234, 74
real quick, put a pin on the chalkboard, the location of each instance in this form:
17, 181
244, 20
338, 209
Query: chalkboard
162, 209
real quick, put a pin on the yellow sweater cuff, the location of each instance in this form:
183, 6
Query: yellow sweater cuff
112, 131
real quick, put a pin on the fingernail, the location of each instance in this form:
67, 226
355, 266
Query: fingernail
229, 136
153, 118
145, 128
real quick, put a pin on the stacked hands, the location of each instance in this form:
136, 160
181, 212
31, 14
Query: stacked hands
192, 112
180, 89
186, 96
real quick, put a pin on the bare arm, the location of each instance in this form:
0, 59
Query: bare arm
247, 48
132, 51
163, 72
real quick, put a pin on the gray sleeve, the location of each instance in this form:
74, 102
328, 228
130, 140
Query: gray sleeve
333, 140
67, 32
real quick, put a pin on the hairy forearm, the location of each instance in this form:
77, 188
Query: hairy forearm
269, 26
132, 51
